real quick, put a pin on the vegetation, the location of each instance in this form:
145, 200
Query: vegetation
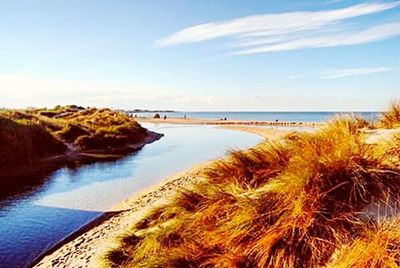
23, 143
29, 135
304, 201
391, 117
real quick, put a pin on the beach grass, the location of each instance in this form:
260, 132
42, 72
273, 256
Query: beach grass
23, 142
391, 117
302, 201
29, 135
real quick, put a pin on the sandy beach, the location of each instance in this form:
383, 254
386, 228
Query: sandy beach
196, 121
82, 248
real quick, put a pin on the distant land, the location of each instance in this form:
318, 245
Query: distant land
149, 111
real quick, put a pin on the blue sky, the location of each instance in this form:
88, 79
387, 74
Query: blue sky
200, 55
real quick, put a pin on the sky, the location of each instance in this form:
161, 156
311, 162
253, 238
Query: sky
253, 55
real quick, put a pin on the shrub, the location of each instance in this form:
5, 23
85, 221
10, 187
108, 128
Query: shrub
99, 142
71, 132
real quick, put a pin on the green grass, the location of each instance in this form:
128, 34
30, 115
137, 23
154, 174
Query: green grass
297, 202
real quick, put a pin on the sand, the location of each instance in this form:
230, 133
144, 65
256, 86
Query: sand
226, 122
83, 248
267, 133
380, 135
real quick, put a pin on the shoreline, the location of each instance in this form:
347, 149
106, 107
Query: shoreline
81, 247
199, 121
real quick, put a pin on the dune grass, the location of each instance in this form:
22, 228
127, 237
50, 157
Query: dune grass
101, 129
29, 135
297, 202
391, 117
23, 142
377, 245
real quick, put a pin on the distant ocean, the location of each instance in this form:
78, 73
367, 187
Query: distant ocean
263, 116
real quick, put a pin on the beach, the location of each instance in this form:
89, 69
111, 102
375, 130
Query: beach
82, 248
210, 134
226, 122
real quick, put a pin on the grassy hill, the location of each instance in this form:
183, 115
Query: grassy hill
26, 136
307, 200
23, 143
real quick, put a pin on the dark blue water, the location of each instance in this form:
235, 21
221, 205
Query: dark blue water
30, 223
264, 116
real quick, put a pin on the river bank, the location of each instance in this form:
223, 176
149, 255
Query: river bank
82, 248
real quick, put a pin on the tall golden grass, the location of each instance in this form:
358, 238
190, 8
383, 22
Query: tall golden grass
297, 202
24, 143
391, 117
101, 129
29, 135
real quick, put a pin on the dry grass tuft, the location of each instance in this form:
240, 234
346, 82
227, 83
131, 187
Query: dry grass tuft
293, 203
377, 246
391, 117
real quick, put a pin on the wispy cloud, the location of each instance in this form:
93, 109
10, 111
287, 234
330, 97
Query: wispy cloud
372, 34
290, 31
339, 73
352, 72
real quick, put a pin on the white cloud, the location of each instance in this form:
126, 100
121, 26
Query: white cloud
272, 24
352, 72
339, 73
292, 30
372, 34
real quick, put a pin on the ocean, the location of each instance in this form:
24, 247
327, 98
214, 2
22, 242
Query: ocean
262, 116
